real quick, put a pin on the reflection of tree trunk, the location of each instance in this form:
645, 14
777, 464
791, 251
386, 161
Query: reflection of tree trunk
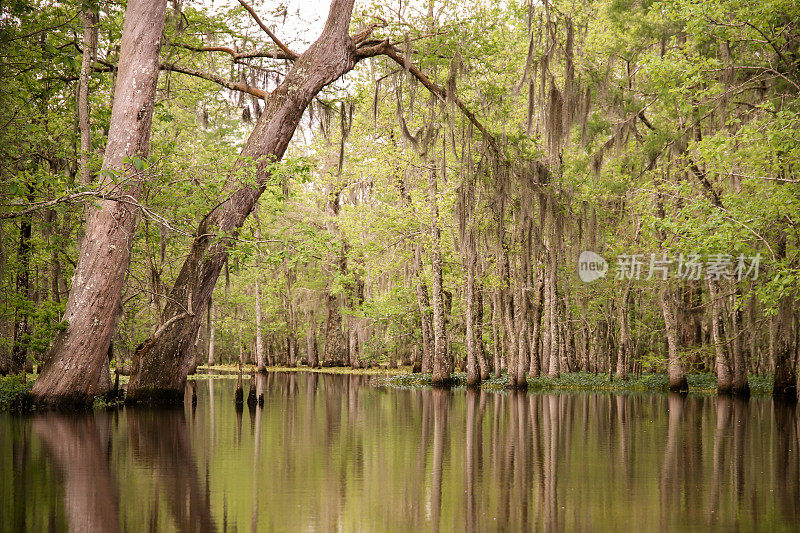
671, 451
723, 423
76, 448
550, 437
787, 465
441, 400
472, 401
521, 463
260, 384
740, 420
160, 439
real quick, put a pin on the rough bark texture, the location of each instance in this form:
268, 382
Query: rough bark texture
426, 320
677, 375
79, 353
90, 20
19, 350
162, 362
722, 361
740, 385
473, 377
784, 386
440, 373
625, 344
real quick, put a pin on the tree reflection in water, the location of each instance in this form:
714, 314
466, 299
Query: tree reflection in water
333, 452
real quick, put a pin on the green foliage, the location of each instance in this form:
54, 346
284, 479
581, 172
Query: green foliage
15, 393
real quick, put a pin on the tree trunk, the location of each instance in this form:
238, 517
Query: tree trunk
473, 376
722, 361
163, 360
784, 386
624, 348
535, 367
260, 359
440, 373
90, 20
496, 333
480, 348
426, 320
335, 352
311, 342
740, 385
19, 350
212, 333
79, 352
677, 375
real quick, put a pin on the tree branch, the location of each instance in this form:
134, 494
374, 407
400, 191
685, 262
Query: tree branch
290, 55
232, 85
235, 54
372, 48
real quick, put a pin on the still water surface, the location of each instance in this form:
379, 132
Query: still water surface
332, 452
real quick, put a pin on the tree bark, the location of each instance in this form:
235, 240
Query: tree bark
19, 350
260, 359
162, 362
90, 20
426, 320
79, 352
311, 342
440, 373
677, 375
212, 333
784, 385
740, 385
722, 361
473, 376
624, 349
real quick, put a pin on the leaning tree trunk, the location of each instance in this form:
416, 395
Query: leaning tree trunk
79, 353
162, 361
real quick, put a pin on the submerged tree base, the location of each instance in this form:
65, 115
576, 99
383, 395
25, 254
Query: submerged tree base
155, 397
586, 381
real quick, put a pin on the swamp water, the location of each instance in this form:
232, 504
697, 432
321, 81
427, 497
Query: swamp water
332, 452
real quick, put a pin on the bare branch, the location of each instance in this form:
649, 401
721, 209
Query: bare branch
371, 48
290, 55
235, 54
232, 85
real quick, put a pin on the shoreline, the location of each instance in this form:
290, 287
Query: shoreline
14, 395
